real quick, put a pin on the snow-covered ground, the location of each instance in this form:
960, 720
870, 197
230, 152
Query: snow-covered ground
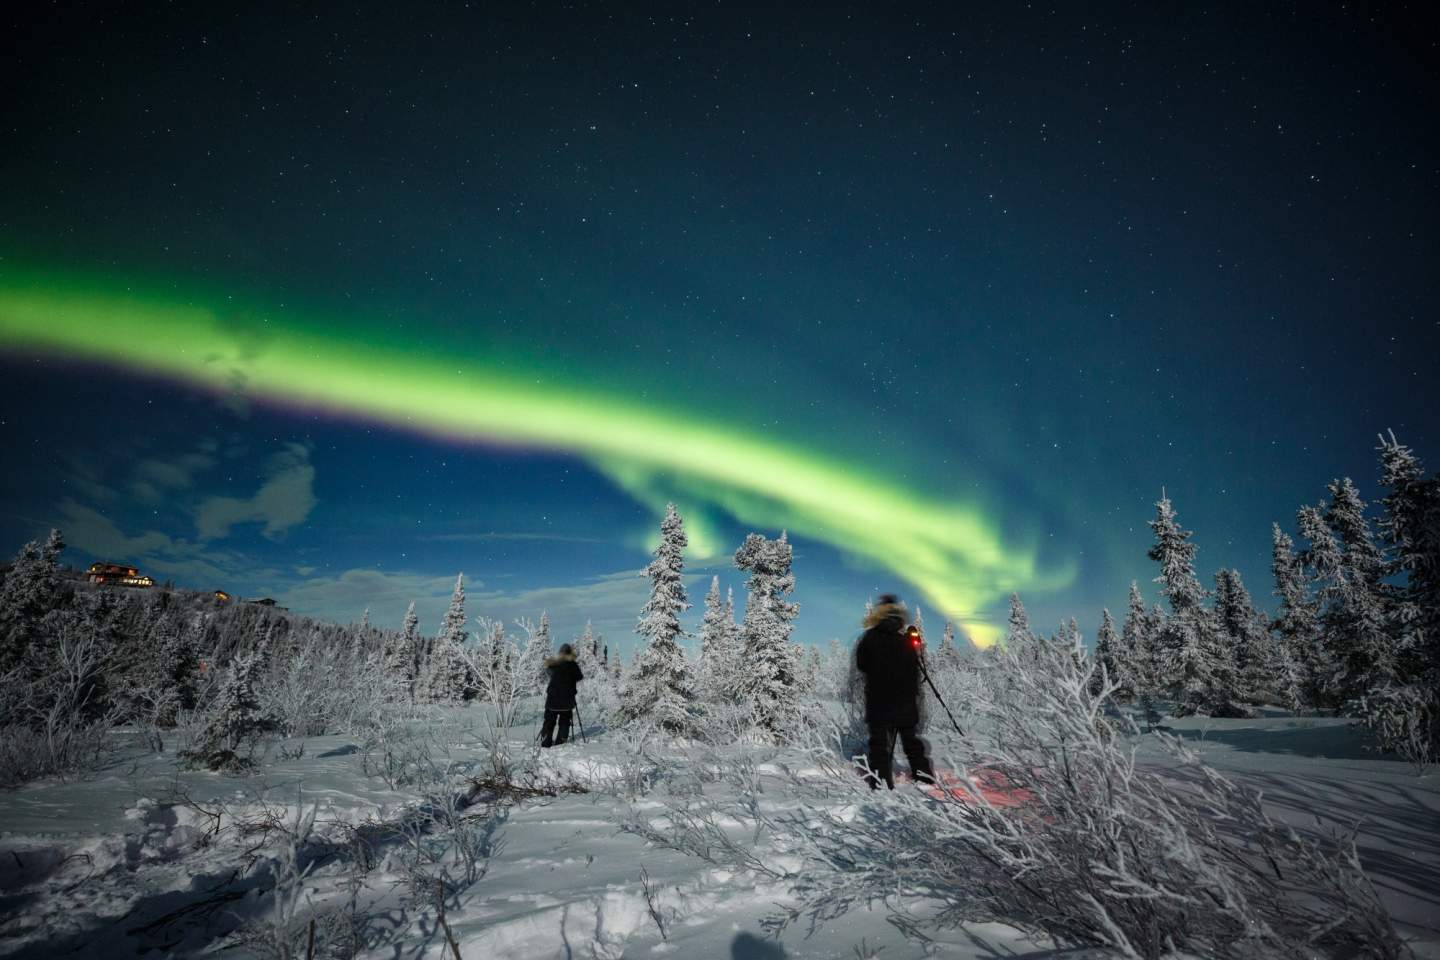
142, 856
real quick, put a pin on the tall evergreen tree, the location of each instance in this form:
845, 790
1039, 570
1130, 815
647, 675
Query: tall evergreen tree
1297, 623
714, 653
731, 666
1366, 614
1186, 649
598, 691
662, 685
538, 649
948, 656
1135, 660
543, 640
360, 639
27, 595
770, 675
812, 670
1352, 623
445, 673
402, 658
1253, 659
1107, 653
1017, 632
1233, 617
50, 552
1410, 529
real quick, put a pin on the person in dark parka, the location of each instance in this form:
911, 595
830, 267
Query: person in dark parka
565, 676
890, 664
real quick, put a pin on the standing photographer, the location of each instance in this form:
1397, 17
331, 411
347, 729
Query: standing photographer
890, 663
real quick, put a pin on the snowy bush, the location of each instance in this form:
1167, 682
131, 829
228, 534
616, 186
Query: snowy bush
502, 677
1053, 827
52, 723
1405, 720
288, 932
322, 687
234, 723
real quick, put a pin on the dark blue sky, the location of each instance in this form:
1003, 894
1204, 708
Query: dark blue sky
1041, 261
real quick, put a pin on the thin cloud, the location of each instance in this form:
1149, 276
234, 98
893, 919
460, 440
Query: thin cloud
513, 536
283, 501
611, 602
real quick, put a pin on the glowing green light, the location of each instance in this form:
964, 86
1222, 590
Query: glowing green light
951, 552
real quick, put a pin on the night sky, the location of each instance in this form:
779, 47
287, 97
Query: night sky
330, 308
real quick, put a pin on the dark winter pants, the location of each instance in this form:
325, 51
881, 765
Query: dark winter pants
548, 727
882, 751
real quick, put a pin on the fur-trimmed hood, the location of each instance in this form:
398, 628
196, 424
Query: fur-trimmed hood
560, 658
881, 612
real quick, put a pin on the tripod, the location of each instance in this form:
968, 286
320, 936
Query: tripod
926, 674
580, 723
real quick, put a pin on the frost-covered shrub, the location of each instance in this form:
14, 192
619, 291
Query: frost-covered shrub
286, 933
70, 745
1405, 720
324, 686
234, 723
501, 677
53, 721
1053, 827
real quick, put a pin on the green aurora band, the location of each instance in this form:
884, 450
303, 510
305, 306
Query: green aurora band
951, 553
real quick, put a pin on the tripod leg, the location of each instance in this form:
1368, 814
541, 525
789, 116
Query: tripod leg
931, 683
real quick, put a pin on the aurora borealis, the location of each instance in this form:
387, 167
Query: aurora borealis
331, 312
952, 554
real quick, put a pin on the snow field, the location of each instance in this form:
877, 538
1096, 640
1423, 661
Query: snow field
143, 856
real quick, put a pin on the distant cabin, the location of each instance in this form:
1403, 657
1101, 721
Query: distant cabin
221, 596
267, 602
118, 574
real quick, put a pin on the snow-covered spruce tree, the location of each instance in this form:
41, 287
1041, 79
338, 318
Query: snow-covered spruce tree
1352, 623
713, 637
1073, 640
661, 687
1135, 660
1358, 621
1017, 630
235, 721
532, 675
1256, 670
947, 656
1405, 715
731, 667
590, 653
1107, 659
597, 695
445, 673
813, 668
544, 648
769, 678
1297, 628
836, 670
362, 639
402, 657
26, 595
1410, 529
1187, 648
